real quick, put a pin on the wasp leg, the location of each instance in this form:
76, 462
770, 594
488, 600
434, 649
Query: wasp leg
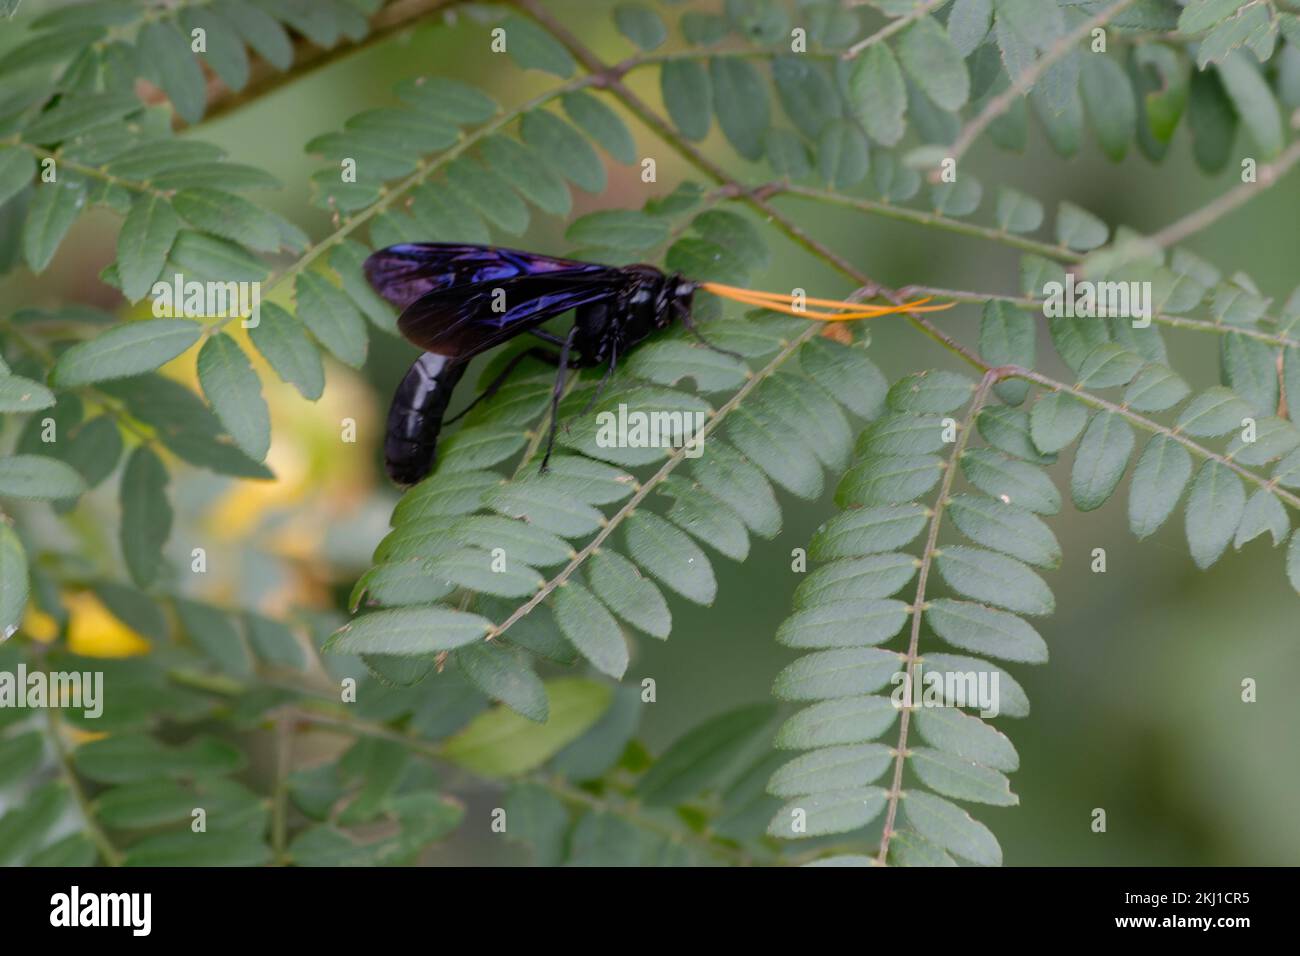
557, 393
546, 336
541, 354
685, 316
604, 380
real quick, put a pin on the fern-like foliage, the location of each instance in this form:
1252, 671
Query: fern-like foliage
904, 486
940, 478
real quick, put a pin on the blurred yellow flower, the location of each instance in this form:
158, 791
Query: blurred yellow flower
94, 632
39, 626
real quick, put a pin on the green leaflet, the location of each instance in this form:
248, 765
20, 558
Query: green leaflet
1007, 332
640, 24
54, 209
533, 48
824, 675
864, 531
602, 124
995, 579
1263, 513
129, 758
669, 555
412, 631
962, 779
1055, 421
951, 730
235, 392
832, 811
985, 630
1214, 412
875, 576
283, 342
1008, 430
622, 587
1079, 229
13, 580
504, 676
740, 101
18, 394
1017, 212
931, 60
500, 743
590, 628
331, 317
166, 54
146, 514
125, 350
930, 391
1100, 461
38, 477
951, 828
684, 85
832, 722
1005, 527
1011, 481
878, 94
844, 624
1214, 508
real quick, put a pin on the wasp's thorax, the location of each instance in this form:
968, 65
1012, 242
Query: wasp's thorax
651, 301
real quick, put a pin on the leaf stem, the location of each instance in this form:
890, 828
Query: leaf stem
111, 854
933, 220
280, 789
894, 26
918, 606
344, 723
1026, 80
1173, 321
1194, 222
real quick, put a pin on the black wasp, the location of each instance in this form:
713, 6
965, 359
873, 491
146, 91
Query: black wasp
459, 300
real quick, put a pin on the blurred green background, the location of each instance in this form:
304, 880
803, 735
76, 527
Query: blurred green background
1139, 710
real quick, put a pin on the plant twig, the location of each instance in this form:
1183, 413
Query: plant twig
1026, 80
1031, 303
894, 26
918, 606
280, 790
111, 854
1266, 176
930, 219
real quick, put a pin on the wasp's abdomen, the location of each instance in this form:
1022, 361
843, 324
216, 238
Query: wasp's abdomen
415, 417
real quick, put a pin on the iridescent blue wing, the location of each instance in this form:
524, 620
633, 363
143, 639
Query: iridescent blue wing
462, 320
404, 273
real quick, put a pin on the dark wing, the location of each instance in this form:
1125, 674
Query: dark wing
404, 273
460, 321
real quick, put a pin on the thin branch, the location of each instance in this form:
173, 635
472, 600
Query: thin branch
1026, 80
280, 789
100, 173
111, 854
1278, 339
1141, 421
345, 723
918, 606
308, 58
588, 801
932, 220
1266, 176
887, 31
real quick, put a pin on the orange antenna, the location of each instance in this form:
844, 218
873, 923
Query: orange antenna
847, 311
